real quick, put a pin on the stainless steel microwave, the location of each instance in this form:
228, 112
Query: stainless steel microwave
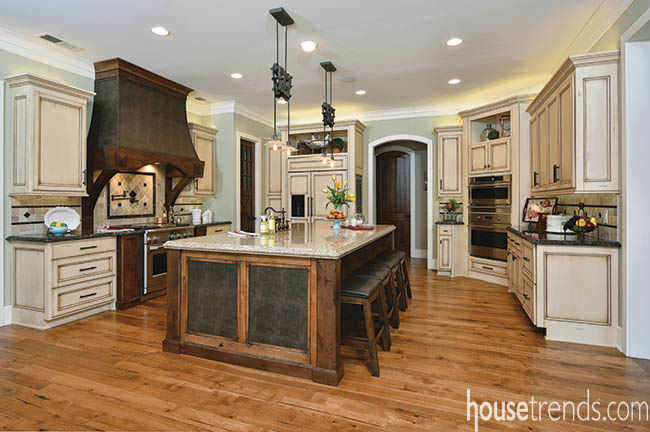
490, 190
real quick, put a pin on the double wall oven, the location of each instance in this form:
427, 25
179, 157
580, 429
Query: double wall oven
489, 216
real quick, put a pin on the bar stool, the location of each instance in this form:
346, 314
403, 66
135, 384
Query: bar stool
393, 297
365, 292
393, 263
405, 273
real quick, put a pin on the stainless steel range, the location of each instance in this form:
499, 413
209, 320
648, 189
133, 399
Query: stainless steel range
155, 256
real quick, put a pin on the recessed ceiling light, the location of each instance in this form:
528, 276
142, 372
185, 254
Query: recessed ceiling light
360, 92
160, 31
454, 41
308, 45
282, 101
236, 75
453, 81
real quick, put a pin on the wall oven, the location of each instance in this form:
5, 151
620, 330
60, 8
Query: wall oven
489, 216
490, 190
155, 255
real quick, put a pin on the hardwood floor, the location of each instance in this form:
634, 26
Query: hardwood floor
109, 372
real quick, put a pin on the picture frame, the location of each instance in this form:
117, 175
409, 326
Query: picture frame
504, 126
531, 214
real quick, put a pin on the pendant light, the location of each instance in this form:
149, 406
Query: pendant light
328, 114
281, 82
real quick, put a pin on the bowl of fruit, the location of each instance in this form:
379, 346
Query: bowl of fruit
581, 224
58, 228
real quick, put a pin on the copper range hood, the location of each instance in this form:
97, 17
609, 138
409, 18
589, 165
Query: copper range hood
139, 118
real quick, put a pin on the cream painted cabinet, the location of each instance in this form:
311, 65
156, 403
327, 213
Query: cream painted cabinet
574, 127
320, 181
490, 157
205, 144
48, 137
307, 196
445, 249
449, 248
55, 283
449, 160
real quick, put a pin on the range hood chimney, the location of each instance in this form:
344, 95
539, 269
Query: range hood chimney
139, 118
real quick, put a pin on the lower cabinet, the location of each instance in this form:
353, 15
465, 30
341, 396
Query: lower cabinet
448, 249
55, 283
130, 271
570, 291
204, 230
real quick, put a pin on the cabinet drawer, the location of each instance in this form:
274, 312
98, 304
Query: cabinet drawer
83, 247
528, 296
76, 298
528, 259
74, 269
494, 268
315, 163
444, 229
514, 243
217, 229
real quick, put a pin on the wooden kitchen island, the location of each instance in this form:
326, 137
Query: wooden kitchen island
269, 303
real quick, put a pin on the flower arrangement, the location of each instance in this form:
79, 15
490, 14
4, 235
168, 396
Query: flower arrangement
338, 195
451, 206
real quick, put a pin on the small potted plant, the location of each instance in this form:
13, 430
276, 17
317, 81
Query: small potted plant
450, 210
338, 195
337, 145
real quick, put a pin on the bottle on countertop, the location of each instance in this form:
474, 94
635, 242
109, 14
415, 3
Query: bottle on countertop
272, 227
164, 216
264, 225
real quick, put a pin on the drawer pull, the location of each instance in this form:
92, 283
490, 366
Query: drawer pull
87, 268
87, 295
488, 268
526, 296
518, 244
88, 247
526, 259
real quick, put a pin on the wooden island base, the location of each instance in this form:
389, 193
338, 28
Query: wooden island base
270, 312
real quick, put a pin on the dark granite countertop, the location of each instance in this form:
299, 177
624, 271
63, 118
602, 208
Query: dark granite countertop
449, 223
49, 238
589, 239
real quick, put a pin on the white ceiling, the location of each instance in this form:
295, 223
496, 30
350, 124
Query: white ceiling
395, 50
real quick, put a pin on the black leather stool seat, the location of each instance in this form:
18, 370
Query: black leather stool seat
394, 254
359, 287
387, 260
374, 271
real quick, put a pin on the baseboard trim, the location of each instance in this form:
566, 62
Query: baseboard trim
5, 316
418, 253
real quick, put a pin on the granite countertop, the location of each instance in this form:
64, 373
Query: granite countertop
49, 238
449, 223
303, 240
590, 239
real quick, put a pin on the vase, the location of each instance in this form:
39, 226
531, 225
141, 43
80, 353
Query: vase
337, 222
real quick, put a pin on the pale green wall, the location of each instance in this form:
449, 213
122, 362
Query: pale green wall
12, 64
611, 40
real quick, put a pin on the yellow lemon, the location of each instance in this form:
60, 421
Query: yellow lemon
582, 222
593, 221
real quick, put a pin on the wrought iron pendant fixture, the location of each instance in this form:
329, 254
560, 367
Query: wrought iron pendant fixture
281, 81
328, 113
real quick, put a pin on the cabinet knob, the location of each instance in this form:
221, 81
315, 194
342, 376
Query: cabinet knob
526, 296
534, 178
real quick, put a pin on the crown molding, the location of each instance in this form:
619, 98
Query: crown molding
51, 56
251, 114
226, 107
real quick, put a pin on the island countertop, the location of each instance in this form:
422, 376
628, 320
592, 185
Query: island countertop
303, 240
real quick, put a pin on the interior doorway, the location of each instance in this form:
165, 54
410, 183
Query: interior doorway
393, 196
247, 185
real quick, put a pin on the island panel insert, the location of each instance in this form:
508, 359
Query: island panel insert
212, 298
280, 296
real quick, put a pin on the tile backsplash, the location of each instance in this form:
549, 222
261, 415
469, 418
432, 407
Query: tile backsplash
28, 212
604, 207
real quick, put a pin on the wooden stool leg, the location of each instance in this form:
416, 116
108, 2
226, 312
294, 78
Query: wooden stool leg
399, 289
391, 303
383, 318
372, 343
407, 281
402, 285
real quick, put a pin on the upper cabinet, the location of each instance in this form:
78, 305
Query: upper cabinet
205, 144
490, 157
574, 127
449, 160
48, 137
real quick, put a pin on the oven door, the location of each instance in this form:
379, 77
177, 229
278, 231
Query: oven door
156, 269
490, 195
489, 242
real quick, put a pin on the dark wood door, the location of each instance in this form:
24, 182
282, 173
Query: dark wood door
247, 186
393, 191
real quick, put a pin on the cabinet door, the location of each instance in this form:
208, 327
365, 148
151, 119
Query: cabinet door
205, 148
319, 181
543, 177
534, 153
554, 148
299, 184
566, 169
449, 165
499, 155
478, 158
60, 144
445, 252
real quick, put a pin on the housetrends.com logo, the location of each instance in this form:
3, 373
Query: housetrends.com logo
588, 410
